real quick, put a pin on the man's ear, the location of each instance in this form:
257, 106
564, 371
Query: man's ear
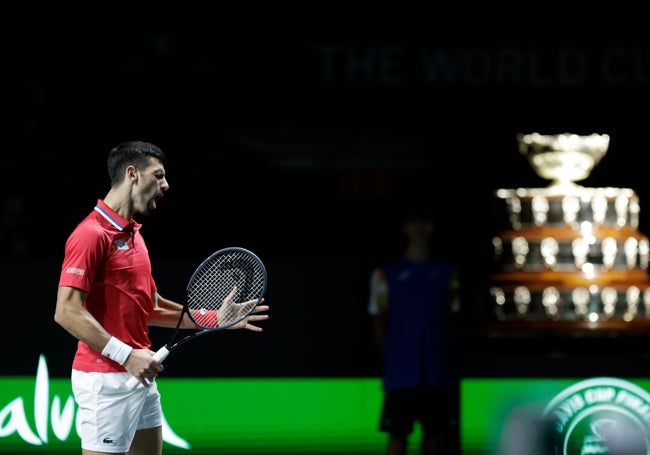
132, 173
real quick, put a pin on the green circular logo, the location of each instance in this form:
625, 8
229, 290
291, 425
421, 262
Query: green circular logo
599, 416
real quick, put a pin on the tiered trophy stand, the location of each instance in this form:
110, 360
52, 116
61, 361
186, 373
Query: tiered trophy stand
569, 259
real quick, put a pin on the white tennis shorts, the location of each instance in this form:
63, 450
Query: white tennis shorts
109, 413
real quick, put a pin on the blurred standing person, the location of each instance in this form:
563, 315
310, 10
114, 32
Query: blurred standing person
411, 300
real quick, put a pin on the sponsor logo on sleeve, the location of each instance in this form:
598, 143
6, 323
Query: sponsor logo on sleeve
75, 271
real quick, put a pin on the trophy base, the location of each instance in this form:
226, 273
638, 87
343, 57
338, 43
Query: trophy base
569, 258
572, 329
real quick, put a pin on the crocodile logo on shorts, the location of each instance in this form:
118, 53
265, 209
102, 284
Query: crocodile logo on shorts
599, 416
108, 441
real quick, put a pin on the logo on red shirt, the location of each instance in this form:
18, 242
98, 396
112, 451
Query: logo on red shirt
75, 270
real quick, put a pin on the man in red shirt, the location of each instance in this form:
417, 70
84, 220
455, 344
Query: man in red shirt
107, 298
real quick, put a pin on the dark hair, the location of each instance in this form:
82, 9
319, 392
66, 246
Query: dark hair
131, 153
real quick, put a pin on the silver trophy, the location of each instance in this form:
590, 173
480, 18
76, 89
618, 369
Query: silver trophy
563, 158
565, 252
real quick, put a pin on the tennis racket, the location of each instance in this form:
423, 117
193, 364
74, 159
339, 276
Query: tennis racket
224, 289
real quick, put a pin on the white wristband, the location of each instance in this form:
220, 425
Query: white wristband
117, 350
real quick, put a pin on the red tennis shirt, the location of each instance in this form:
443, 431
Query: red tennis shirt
106, 256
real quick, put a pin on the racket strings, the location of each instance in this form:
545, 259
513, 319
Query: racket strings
225, 289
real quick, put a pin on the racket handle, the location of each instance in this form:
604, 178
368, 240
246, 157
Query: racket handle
160, 355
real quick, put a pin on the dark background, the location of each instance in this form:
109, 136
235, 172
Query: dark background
297, 129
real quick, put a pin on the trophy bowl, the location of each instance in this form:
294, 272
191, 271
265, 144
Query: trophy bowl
563, 158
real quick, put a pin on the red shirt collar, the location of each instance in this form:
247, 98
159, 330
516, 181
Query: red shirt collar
114, 218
